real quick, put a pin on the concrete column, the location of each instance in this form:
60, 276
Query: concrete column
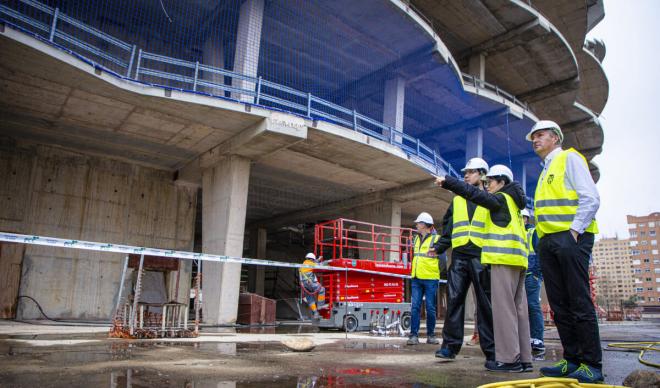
257, 273
224, 203
474, 143
477, 66
387, 213
213, 55
248, 42
520, 175
393, 105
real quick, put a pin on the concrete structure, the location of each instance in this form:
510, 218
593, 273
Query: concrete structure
644, 232
614, 271
237, 127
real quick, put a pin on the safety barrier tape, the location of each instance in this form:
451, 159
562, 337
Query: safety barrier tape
129, 249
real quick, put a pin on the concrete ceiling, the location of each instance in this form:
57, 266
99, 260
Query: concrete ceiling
50, 97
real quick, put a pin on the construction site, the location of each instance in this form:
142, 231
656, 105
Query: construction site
168, 165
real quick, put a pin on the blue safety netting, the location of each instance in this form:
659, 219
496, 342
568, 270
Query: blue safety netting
330, 60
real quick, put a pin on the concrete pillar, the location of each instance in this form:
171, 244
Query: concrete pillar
393, 105
224, 203
248, 42
477, 66
474, 143
387, 213
257, 273
520, 175
213, 54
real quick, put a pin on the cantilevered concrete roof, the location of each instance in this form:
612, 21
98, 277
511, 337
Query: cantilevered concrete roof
529, 55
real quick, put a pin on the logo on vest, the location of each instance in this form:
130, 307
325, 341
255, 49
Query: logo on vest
551, 178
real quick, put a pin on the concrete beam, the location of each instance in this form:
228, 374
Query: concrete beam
224, 206
515, 37
400, 194
272, 134
578, 125
550, 90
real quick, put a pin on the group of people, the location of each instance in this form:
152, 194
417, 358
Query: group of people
496, 249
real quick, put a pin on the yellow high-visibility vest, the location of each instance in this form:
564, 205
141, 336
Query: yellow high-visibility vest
555, 204
505, 245
425, 266
530, 240
307, 274
464, 230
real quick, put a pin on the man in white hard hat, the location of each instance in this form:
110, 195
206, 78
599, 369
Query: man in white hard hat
565, 206
312, 289
462, 230
425, 275
504, 250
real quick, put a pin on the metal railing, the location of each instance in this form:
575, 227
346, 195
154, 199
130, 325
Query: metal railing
481, 84
194, 77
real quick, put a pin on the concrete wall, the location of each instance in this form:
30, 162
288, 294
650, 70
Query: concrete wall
54, 192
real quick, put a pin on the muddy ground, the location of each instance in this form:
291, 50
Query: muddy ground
78, 356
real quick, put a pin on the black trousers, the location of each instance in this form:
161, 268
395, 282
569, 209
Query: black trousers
565, 266
463, 271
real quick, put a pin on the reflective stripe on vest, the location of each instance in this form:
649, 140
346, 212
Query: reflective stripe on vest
505, 245
425, 266
530, 240
555, 204
462, 230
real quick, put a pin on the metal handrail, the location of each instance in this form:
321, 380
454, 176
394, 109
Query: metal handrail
479, 83
315, 107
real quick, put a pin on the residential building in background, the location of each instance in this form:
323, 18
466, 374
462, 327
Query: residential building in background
614, 272
644, 232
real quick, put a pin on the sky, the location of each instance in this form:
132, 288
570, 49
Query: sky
629, 182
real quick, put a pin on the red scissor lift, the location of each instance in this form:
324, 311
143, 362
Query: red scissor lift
358, 300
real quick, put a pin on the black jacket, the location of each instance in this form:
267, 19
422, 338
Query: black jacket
499, 211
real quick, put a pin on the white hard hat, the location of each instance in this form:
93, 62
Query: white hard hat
425, 218
545, 124
475, 164
525, 213
500, 169
310, 256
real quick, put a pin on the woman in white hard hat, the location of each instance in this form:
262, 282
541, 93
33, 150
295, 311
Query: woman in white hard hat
504, 249
425, 274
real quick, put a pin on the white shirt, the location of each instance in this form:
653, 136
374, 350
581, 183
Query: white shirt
577, 178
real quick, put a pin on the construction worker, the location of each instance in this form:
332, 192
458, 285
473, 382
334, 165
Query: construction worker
533, 281
504, 250
313, 291
565, 206
425, 275
462, 228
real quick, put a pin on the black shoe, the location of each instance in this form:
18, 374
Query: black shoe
511, 367
527, 367
445, 354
